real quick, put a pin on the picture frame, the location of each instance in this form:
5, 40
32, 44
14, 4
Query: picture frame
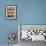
10, 12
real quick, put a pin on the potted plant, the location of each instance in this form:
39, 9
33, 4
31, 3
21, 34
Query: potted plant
11, 37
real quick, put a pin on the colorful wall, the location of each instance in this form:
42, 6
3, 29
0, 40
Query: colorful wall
28, 12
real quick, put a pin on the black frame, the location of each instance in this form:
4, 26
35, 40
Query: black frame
5, 12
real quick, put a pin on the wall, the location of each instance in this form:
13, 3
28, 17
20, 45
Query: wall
28, 12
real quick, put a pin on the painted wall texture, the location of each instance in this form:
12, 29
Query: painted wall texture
28, 12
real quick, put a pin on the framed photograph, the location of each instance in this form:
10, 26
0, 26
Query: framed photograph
10, 12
